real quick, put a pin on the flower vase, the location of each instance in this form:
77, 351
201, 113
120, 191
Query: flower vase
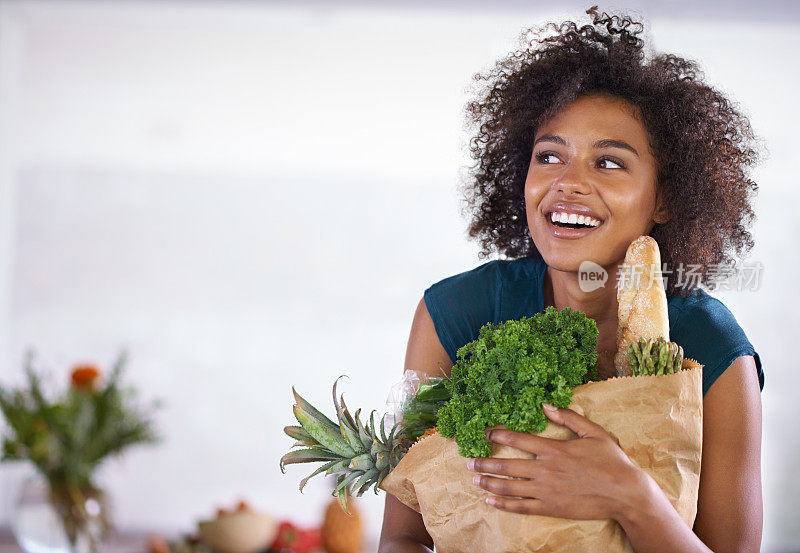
55, 518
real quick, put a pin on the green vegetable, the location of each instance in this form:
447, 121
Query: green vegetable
420, 414
505, 375
650, 357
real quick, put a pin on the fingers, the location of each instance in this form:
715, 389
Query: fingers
531, 443
579, 424
516, 468
525, 506
504, 486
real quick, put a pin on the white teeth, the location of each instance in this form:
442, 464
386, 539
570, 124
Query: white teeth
573, 218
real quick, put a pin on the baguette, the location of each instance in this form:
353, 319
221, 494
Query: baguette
642, 300
689, 364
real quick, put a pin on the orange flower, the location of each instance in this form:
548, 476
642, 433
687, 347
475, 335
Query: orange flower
84, 377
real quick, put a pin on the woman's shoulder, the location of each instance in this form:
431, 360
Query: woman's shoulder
700, 311
709, 333
460, 304
480, 288
455, 304
486, 272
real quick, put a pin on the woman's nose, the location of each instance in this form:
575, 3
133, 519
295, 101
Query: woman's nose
573, 179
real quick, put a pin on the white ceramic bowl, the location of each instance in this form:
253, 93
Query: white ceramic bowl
239, 532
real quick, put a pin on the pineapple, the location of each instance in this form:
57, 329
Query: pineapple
360, 455
341, 533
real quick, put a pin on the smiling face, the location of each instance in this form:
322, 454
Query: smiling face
593, 172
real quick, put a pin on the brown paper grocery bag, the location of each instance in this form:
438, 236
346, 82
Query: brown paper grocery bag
657, 421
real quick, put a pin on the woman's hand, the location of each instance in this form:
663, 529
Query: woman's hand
588, 477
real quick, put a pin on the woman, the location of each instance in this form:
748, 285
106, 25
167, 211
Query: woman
578, 123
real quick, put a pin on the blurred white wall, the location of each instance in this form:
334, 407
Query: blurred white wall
251, 196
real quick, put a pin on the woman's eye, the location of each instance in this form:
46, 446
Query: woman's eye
617, 164
543, 158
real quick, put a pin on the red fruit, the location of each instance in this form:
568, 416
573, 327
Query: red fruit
292, 539
310, 540
286, 538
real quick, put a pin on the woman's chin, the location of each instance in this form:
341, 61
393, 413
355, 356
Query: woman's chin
567, 255
567, 264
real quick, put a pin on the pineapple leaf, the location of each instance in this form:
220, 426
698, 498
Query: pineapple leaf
384, 474
383, 428
298, 433
365, 481
343, 483
329, 437
341, 408
321, 468
339, 466
349, 431
366, 439
382, 461
372, 426
309, 455
343, 499
340, 411
362, 462
311, 410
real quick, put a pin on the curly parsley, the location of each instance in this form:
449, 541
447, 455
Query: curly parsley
505, 375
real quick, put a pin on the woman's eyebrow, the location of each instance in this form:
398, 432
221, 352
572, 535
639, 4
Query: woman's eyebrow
604, 143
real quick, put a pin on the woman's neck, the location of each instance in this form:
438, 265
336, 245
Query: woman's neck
562, 289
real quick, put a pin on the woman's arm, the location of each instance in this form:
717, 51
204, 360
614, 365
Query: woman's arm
731, 466
729, 512
403, 530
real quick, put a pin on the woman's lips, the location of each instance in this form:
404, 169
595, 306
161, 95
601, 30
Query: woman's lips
569, 233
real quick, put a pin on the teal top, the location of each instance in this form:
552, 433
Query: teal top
502, 290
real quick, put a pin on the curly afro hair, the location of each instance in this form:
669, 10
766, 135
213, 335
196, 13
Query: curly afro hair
702, 144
